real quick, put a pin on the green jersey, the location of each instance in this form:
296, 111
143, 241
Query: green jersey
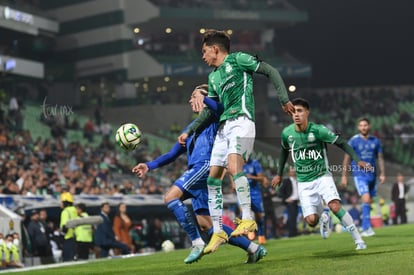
232, 83
308, 150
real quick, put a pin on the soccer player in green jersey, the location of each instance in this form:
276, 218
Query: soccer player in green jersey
231, 82
306, 143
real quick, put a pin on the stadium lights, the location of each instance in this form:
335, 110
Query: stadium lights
166, 79
202, 30
292, 88
82, 88
229, 32
168, 30
137, 30
180, 83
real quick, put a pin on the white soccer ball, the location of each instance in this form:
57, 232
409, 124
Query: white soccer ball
128, 136
167, 246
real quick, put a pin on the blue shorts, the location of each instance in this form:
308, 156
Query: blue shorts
256, 199
193, 184
365, 186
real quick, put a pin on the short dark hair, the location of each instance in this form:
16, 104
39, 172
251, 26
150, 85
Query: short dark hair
219, 38
81, 206
301, 102
363, 119
103, 204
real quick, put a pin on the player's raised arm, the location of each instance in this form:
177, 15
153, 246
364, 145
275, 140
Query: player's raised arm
277, 81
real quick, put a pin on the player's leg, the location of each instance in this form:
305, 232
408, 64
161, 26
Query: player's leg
329, 193
258, 210
190, 184
241, 135
311, 203
362, 186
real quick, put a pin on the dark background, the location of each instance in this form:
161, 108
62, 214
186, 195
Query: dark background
355, 42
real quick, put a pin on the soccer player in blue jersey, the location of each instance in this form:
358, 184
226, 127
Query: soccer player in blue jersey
254, 173
368, 148
193, 184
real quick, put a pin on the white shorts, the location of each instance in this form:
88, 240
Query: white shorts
312, 194
235, 136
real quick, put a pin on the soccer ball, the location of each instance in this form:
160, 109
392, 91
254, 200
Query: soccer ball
128, 136
167, 246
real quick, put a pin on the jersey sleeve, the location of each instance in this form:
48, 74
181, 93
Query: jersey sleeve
379, 147
284, 141
326, 135
247, 61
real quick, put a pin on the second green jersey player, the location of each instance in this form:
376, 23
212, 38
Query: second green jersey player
306, 143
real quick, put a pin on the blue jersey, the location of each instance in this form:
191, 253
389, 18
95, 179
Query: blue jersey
367, 150
198, 148
253, 167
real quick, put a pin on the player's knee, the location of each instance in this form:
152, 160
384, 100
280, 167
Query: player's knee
335, 206
312, 220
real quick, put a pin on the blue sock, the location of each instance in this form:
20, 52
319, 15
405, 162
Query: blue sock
261, 226
184, 218
241, 241
366, 218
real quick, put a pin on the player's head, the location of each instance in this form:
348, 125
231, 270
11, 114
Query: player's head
203, 89
214, 43
301, 114
363, 126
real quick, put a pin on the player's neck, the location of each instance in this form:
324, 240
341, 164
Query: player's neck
364, 136
301, 127
220, 59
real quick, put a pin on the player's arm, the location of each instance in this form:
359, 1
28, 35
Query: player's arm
167, 158
141, 169
203, 119
277, 81
214, 105
345, 165
260, 177
284, 153
341, 143
381, 165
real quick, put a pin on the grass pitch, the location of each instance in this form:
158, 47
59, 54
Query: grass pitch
390, 251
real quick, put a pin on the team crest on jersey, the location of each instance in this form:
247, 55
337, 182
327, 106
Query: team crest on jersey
311, 137
290, 139
228, 68
372, 145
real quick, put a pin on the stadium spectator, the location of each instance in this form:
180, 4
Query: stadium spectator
385, 211
306, 142
104, 235
122, 226
68, 213
232, 148
369, 149
11, 252
83, 234
398, 193
39, 238
288, 191
89, 130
